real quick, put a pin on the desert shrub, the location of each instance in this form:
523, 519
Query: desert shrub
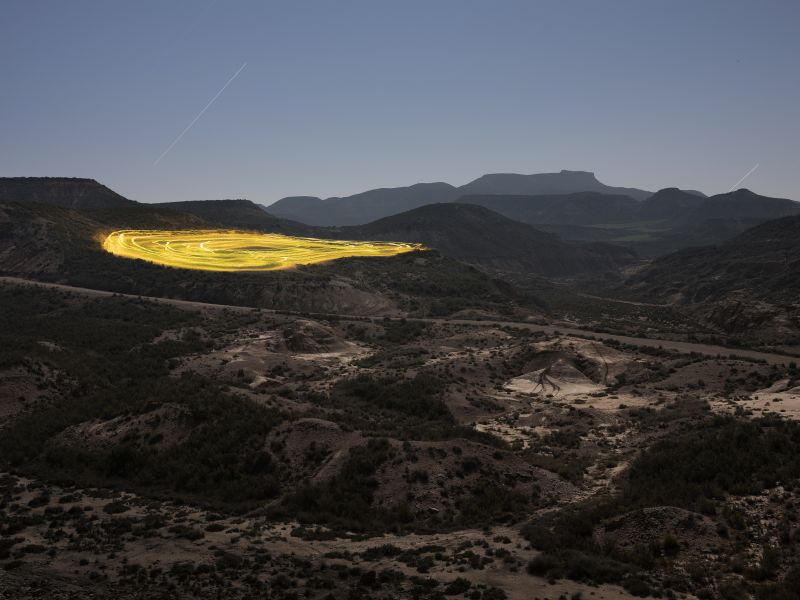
721, 456
402, 408
696, 470
785, 589
114, 508
403, 331
420, 396
378, 552
637, 586
185, 532
345, 501
486, 500
457, 586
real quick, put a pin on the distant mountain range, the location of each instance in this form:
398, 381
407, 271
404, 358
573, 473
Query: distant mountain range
546, 234
375, 204
579, 208
668, 220
479, 236
741, 276
466, 232
239, 214
564, 182
364, 207
571, 204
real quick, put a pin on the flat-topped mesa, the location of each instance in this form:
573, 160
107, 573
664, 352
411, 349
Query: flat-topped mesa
563, 182
66, 192
362, 208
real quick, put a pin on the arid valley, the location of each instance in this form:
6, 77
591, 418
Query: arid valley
381, 300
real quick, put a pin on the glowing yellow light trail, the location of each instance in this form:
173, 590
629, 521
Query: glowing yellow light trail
219, 250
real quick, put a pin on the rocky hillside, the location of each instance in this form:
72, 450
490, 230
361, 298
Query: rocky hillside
479, 236
56, 244
151, 450
40, 238
66, 192
749, 283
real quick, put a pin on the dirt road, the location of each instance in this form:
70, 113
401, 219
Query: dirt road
677, 346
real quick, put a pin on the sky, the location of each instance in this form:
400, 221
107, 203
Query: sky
166, 101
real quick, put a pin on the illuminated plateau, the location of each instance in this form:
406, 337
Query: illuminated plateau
219, 250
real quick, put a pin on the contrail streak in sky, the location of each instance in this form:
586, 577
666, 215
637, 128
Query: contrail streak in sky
746, 175
200, 114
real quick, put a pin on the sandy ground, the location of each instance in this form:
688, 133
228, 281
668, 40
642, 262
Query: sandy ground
778, 399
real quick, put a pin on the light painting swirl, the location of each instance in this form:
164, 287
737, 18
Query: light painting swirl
219, 250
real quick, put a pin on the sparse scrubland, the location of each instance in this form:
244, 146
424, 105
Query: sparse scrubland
401, 427
151, 448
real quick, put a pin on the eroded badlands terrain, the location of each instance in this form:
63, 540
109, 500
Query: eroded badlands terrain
200, 452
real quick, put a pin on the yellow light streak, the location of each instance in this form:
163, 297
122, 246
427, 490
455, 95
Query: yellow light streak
219, 250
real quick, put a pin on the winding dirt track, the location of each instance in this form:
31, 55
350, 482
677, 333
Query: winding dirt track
677, 346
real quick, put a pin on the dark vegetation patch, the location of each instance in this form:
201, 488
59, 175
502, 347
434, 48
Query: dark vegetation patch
345, 502
105, 346
722, 456
696, 470
398, 407
403, 331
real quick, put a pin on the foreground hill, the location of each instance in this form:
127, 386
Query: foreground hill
40, 238
51, 243
88, 194
748, 284
374, 204
479, 236
67, 192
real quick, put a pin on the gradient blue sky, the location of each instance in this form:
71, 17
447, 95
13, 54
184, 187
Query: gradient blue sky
338, 97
